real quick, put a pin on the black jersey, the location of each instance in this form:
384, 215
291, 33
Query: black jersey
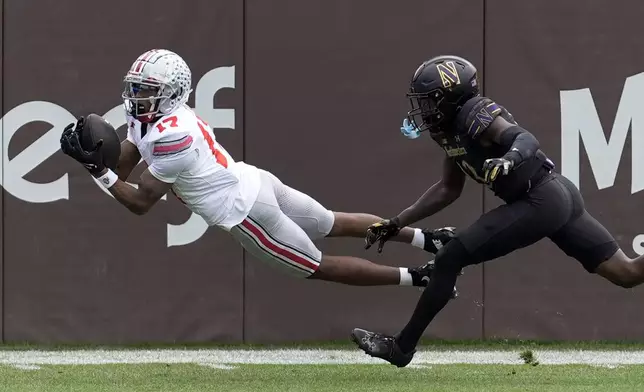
462, 144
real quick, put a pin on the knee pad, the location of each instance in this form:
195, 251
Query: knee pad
452, 257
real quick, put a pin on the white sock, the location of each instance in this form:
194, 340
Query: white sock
405, 277
419, 239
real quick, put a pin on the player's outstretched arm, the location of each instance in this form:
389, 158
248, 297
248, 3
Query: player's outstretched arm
169, 159
129, 158
438, 196
139, 201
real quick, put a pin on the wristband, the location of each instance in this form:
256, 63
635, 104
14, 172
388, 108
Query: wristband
108, 179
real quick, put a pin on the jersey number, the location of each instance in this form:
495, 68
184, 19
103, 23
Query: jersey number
221, 158
172, 121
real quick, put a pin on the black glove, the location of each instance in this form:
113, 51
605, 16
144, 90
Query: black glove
381, 231
70, 145
495, 166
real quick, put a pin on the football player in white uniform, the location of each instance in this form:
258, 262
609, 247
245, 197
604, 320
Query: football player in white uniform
271, 220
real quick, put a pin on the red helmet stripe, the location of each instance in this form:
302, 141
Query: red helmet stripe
140, 62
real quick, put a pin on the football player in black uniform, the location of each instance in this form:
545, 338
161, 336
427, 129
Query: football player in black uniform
482, 140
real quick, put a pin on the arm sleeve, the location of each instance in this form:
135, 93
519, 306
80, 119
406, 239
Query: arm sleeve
522, 144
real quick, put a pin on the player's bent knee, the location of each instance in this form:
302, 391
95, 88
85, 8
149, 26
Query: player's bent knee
452, 257
316, 224
326, 223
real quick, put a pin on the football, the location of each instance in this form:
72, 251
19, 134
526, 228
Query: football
96, 128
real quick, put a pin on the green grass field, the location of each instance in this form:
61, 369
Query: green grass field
427, 344
439, 366
331, 378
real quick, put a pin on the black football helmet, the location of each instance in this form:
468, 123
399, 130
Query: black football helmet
439, 88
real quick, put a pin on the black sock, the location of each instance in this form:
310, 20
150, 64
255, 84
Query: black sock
436, 295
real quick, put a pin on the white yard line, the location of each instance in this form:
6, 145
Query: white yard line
219, 358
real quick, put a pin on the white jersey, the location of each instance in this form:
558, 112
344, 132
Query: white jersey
181, 149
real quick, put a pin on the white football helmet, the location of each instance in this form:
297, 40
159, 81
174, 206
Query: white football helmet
157, 83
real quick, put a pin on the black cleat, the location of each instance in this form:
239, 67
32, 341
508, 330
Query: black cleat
421, 275
437, 238
381, 346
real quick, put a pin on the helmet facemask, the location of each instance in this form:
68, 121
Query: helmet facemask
146, 100
425, 113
